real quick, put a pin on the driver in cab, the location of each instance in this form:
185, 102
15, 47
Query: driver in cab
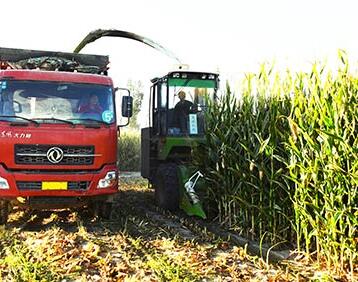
92, 107
182, 110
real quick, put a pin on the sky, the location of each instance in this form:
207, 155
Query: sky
228, 36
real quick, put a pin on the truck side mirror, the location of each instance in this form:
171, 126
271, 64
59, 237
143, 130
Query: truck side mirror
127, 106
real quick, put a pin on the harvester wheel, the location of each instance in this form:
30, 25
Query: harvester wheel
4, 211
167, 187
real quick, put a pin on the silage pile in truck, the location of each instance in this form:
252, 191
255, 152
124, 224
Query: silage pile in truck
58, 131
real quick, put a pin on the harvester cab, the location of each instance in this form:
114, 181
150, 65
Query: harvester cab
176, 123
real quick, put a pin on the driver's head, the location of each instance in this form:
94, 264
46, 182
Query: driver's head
181, 95
93, 100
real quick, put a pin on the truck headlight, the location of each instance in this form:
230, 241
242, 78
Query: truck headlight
4, 184
108, 180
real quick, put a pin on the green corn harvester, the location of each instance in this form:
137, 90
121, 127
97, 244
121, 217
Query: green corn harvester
176, 125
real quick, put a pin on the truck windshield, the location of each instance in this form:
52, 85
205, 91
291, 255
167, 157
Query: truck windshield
56, 102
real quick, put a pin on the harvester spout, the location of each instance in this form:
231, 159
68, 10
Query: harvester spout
96, 34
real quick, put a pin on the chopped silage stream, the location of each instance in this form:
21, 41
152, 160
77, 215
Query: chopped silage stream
140, 243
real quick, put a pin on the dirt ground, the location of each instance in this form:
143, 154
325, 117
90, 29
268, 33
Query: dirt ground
139, 243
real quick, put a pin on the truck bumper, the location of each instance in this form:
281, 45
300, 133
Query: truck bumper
78, 184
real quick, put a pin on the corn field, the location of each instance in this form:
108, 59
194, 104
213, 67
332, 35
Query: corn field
129, 151
281, 161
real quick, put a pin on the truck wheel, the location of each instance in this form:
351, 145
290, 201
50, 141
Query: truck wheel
105, 211
4, 211
167, 187
101, 209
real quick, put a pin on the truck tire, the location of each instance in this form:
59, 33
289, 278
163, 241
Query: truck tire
4, 212
167, 186
106, 210
102, 209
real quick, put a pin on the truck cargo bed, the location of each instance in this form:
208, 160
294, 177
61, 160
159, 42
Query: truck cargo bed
15, 56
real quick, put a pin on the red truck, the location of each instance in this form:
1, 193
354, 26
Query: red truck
58, 131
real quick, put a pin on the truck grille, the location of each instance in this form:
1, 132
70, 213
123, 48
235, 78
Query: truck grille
39, 155
37, 185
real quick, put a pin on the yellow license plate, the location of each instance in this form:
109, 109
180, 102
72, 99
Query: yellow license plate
54, 185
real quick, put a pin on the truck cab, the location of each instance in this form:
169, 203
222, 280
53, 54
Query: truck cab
58, 131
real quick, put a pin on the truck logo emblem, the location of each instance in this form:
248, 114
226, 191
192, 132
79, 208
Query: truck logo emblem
54, 155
